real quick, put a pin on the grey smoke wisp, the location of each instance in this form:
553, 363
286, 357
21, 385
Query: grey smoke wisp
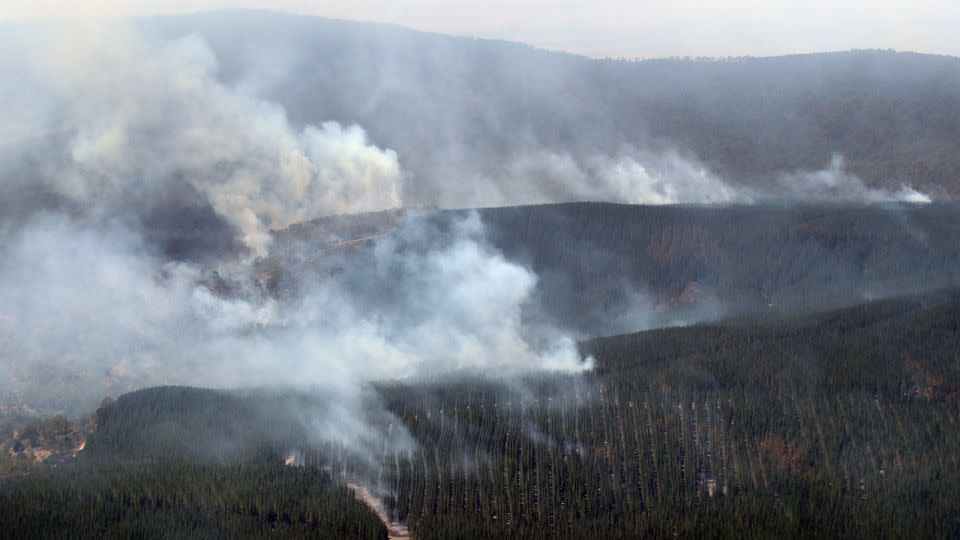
835, 184
638, 177
632, 177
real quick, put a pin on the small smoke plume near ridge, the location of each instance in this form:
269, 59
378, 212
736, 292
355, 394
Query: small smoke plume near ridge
657, 178
633, 176
835, 183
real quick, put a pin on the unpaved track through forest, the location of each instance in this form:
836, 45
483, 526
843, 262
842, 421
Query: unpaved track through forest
395, 531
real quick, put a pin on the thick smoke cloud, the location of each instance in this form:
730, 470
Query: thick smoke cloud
121, 140
130, 117
127, 141
90, 311
123, 117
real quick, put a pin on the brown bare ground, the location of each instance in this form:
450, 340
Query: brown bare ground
395, 531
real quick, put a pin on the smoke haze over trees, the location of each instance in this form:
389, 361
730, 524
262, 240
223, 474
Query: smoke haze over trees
480, 122
393, 255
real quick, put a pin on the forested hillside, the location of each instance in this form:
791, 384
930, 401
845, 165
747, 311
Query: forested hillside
843, 423
696, 263
259, 499
460, 108
349, 280
609, 268
600, 268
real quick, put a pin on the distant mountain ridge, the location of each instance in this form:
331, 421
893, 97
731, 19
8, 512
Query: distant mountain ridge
452, 106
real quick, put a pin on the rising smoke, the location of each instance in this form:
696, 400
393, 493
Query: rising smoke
643, 177
634, 177
835, 184
135, 116
127, 142
123, 144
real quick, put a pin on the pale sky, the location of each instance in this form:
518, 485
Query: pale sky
637, 28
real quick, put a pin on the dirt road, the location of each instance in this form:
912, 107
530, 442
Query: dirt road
395, 531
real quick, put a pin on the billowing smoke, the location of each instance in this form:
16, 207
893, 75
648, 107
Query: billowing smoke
109, 118
130, 117
480, 123
90, 311
129, 142
142, 191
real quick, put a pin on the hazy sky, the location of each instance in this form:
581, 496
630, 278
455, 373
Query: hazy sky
633, 28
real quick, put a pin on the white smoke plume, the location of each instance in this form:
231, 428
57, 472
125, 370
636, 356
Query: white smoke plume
89, 311
138, 114
631, 177
108, 123
836, 184
644, 177
116, 124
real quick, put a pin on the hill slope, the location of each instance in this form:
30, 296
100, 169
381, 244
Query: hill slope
608, 268
842, 423
465, 113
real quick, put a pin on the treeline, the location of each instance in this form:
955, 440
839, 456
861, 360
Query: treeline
708, 464
169, 499
844, 424
841, 424
893, 349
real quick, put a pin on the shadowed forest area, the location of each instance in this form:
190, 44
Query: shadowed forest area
842, 422
609, 268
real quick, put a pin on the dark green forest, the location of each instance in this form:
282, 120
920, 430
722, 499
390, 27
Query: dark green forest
792, 258
256, 499
842, 424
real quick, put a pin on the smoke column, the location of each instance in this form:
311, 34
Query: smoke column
128, 146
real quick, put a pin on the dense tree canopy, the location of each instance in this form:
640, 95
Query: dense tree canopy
843, 423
